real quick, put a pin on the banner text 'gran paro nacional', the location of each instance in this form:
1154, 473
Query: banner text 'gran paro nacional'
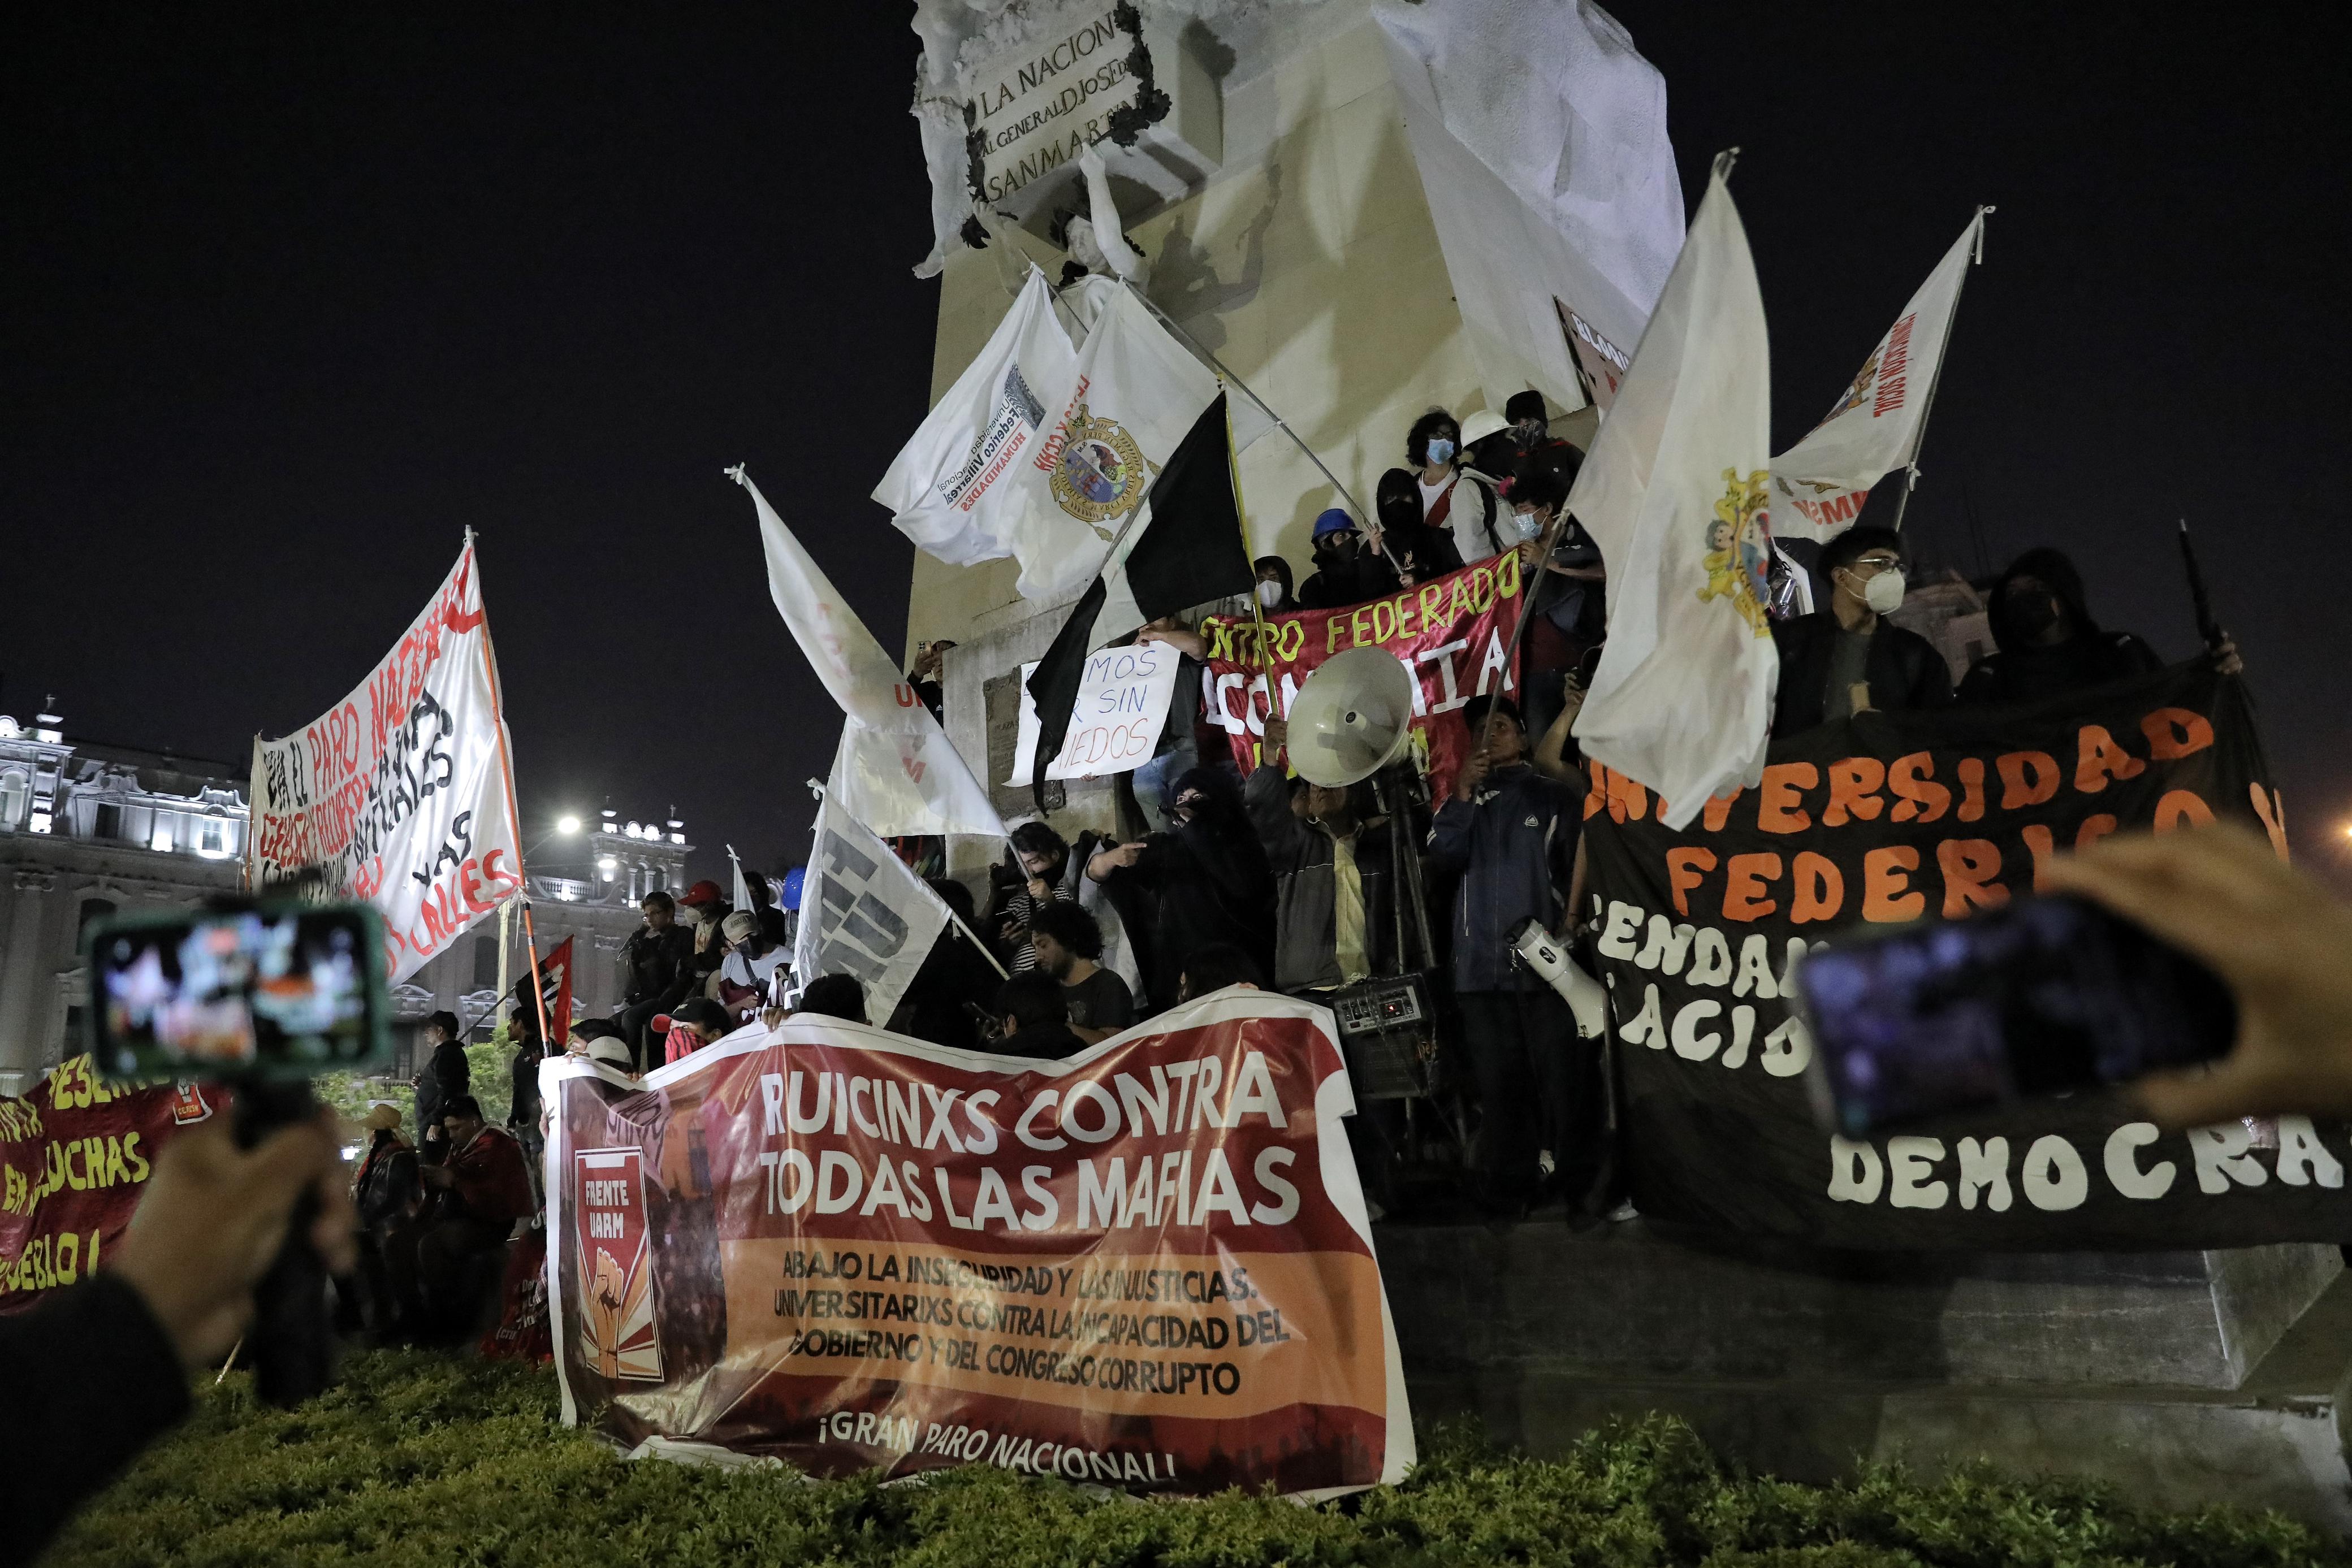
1147, 1267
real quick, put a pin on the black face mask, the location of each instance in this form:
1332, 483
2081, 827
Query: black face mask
2033, 614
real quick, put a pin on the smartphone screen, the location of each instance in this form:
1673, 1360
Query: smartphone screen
2038, 996
283, 990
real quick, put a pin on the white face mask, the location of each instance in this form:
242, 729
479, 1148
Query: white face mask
1530, 525
1269, 594
1883, 593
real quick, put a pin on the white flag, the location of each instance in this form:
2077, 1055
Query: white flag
896, 771
403, 793
946, 487
1820, 483
1673, 493
863, 913
1137, 395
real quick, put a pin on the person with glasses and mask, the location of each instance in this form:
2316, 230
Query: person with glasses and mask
1847, 657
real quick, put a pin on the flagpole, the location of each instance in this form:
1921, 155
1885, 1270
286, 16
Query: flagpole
1371, 522
538, 986
1257, 612
1911, 469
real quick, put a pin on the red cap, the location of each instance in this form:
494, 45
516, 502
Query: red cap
702, 893
661, 1023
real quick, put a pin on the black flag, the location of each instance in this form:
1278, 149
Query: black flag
1184, 548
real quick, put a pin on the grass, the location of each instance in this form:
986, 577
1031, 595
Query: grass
422, 1458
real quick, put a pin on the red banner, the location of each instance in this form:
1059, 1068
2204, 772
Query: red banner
1148, 1267
1453, 634
74, 1158
555, 990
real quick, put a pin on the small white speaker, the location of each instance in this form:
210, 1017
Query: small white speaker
1352, 717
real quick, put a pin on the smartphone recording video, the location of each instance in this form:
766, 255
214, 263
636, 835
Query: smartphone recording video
2039, 997
276, 990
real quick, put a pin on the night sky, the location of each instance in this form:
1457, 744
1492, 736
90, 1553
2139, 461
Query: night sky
291, 299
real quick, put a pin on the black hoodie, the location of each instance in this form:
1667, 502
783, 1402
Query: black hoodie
2023, 671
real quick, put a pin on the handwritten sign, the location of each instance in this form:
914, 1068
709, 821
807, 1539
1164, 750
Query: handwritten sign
401, 794
1115, 723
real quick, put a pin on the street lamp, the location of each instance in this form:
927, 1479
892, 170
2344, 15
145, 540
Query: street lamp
567, 824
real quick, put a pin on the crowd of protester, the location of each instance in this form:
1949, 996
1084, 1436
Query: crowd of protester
1264, 879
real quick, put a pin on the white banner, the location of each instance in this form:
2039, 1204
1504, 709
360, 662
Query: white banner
1820, 483
895, 770
1115, 725
946, 487
403, 793
864, 914
1674, 489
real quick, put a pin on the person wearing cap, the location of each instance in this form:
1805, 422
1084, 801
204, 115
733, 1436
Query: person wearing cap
1346, 570
697, 1021
703, 906
386, 1192
600, 1041
747, 977
1460, 500
1531, 433
1508, 831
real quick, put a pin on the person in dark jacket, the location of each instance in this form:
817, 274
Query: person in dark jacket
472, 1202
1847, 657
1510, 832
1420, 551
1206, 882
773, 924
931, 662
1034, 1018
1331, 866
1069, 941
2048, 643
1346, 571
657, 970
1273, 591
387, 1191
445, 1075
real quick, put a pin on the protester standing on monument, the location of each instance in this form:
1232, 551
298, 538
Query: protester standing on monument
1510, 831
1531, 431
1346, 570
2048, 644
445, 1075
1847, 657
1563, 594
659, 963
1204, 882
1420, 551
1272, 589
1330, 869
930, 660
704, 906
1463, 504
1037, 877
1068, 942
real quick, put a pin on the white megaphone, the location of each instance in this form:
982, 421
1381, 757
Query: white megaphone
1352, 717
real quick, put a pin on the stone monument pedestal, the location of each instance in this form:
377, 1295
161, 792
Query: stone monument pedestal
2182, 1377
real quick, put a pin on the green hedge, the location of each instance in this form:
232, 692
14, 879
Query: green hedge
418, 1458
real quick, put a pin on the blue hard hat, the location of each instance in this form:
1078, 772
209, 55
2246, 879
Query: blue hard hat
792, 881
1335, 521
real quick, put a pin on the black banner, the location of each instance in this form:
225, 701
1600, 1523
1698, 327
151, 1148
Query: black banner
1888, 818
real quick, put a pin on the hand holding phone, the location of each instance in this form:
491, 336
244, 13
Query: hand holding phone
2042, 995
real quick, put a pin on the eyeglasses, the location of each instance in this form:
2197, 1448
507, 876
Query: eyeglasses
1875, 562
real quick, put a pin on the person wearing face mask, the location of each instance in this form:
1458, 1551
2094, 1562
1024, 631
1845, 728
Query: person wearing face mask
1347, 569
1272, 590
1565, 602
1531, 434
1847, 657
1204, 882
1419, 552
1467, 505
704, 906
2048, 643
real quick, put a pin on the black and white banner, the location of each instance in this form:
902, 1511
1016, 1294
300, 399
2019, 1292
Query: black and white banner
1888, 818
